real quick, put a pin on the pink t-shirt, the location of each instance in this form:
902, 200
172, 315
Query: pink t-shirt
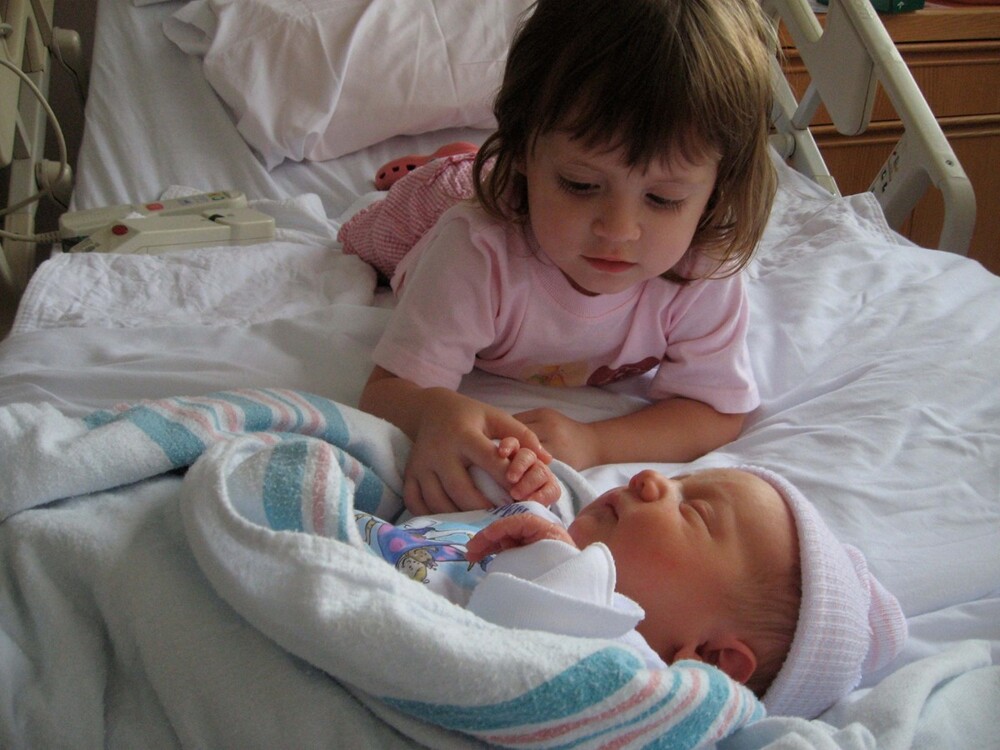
475, 292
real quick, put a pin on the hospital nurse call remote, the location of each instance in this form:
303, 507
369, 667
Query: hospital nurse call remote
75, 225
158, 234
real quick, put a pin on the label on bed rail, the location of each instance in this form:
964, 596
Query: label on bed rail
75, 225
157, 234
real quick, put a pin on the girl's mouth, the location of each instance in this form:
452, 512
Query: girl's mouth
608, 266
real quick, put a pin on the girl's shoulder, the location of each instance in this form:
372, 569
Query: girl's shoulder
480, 222
699, 267
467, 228
465, 243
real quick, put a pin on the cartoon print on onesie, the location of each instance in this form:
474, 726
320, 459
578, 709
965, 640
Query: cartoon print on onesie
413, 551
431, 550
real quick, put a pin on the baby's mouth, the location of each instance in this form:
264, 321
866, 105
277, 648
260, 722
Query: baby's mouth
609, 502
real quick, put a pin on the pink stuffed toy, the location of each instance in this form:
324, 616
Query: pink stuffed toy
389, 173
384, 232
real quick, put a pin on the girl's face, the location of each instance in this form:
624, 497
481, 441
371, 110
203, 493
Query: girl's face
608, 226
681, 543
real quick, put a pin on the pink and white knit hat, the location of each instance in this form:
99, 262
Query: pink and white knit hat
849, 624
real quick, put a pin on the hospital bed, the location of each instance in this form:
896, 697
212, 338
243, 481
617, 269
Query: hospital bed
121, 622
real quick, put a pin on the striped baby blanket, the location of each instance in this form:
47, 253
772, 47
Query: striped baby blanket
272, 479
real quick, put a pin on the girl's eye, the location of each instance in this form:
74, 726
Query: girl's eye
660, 202
576, 188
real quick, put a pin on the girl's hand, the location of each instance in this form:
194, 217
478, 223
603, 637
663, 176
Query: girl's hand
572, 442
513, 531
456, 432
450, 433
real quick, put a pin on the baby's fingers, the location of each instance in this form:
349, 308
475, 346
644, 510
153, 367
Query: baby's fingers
508, 446
521, 462
537, 483
513, 531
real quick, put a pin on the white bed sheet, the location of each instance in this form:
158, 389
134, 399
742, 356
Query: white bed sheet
871, 404
153, 121
868, 399
878, 362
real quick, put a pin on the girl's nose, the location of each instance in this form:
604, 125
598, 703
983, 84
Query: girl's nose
616, 221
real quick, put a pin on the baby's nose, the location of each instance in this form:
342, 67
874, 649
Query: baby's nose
649, 485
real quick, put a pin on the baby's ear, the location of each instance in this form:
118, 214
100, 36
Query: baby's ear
732, 655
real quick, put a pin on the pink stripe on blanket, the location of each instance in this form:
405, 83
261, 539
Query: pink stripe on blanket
313, 419
648, 690
693, 695
320, 468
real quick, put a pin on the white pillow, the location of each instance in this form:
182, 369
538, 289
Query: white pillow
316, 79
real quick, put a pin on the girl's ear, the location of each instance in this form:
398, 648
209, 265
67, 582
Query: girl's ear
730, 654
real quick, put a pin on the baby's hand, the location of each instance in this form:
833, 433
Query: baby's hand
513, 531
528, 477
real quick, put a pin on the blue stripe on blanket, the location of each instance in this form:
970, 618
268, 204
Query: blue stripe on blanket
588, 682
671, 740
283, 480
336, 431
180, 445
260, 417
695, 728
99, 418
292, 486
368, 488
720, 692
184, 427
256, 416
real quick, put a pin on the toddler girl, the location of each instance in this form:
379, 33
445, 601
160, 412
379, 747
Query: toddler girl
625, 187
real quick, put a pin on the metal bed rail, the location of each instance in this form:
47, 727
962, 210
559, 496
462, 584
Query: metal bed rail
847, 57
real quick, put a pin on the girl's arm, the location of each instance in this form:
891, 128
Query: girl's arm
451, 432
675, 430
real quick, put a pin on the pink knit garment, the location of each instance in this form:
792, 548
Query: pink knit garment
384, 232
849, 624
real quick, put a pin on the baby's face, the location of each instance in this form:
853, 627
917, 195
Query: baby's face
680, 542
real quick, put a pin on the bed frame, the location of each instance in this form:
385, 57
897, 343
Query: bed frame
30, 43
846, 60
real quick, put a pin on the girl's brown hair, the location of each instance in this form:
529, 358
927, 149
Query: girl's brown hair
646, 77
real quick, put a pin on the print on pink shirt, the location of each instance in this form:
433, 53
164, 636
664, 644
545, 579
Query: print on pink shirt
572, 374
604, 374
